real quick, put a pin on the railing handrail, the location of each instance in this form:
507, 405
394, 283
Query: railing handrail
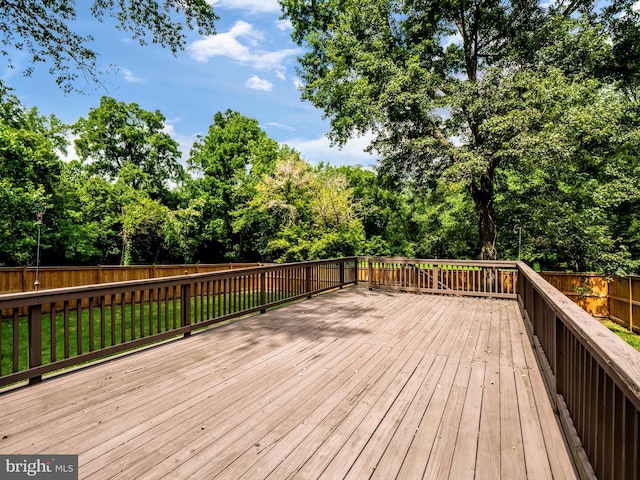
598, 339
440, 261
593, 379
9, 300
444, 276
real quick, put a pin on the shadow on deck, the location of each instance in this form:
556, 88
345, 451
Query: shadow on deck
351, 384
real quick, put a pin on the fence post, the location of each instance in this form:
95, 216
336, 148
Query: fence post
35, 341
341, 273
24, 279
630, 304
263, 290
185, 310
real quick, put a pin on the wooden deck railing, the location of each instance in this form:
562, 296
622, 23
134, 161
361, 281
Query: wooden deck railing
70, 326
593, 379
461, 277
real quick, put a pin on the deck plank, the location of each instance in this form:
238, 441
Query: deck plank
351, 384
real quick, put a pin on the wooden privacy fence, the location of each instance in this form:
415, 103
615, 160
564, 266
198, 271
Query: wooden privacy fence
624, 301
22, 279
593, 378
70, 326
475, 278
615, 297
589, 291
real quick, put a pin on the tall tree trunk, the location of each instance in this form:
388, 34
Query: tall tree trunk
482, 195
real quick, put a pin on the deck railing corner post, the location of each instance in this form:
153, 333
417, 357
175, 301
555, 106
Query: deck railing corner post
355, 269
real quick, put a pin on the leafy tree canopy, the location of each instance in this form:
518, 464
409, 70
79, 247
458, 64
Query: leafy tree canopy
424, 75
120, 140
29, 174
45, 30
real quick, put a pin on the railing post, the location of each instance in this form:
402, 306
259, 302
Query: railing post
560, 360
355, 269
263, 290
435, 277
341, 273
370, 273
308, 274
185, 310
35, 341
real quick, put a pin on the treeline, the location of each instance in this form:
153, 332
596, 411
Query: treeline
128, 199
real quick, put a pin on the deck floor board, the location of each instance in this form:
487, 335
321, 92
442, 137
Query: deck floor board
350, 384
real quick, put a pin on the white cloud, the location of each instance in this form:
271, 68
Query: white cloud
280, 126
71, 148
297, 83
252, 6
228, 44
320, 150
455, 39
257, 83
284, 24
130, 77
184, 142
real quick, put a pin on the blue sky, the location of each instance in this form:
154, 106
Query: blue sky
249, 67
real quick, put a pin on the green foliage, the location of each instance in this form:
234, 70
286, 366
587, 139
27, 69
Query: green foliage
305, 213
45, 31
229, 161
29, 174
567, 183
123, 141
441, 84
566, 186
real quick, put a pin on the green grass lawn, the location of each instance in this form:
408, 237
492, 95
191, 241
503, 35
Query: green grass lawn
624, 333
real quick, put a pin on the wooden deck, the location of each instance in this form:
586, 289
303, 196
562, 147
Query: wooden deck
352, 384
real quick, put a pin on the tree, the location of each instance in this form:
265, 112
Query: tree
422, 76
305, 213
29, 177
119, 140
569, 195
45, 30
230, 159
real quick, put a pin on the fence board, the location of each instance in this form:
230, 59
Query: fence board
22, 279
588, 291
